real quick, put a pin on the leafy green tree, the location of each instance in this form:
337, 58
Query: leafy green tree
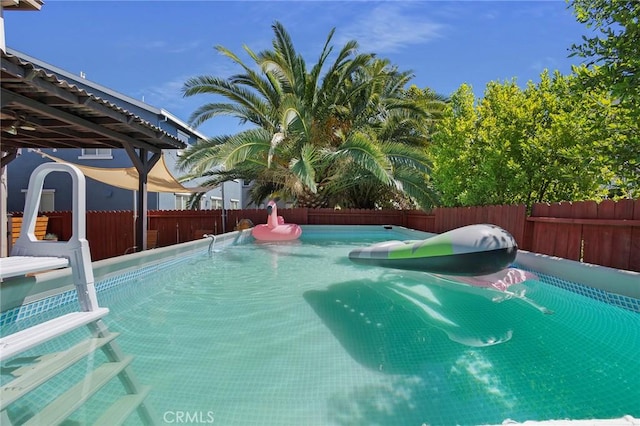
521, 146
452, 151
616, 131
342, 133
613, 71
615, 50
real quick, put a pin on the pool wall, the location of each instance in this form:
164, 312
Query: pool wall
23, 297
610, 280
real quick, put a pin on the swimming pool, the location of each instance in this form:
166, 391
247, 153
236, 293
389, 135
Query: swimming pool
284, 334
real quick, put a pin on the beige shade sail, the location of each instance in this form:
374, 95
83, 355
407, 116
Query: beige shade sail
159, 178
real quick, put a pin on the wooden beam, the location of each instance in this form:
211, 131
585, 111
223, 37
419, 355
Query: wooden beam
74, 119
137, 163
143, 163
61, 132
71, 99
11, 155
13, 69
35, 78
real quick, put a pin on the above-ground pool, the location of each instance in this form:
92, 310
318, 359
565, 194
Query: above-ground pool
295, 334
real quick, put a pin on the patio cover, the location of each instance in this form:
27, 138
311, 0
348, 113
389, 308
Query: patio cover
41, 110
159, 178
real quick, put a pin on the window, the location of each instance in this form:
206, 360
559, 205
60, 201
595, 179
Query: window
47, 200
216, 203
246, 183
96, 154
235, 204
182, 201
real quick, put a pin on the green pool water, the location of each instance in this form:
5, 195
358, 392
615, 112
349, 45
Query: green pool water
295, 334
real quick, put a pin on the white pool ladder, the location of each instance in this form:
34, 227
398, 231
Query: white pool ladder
30, 255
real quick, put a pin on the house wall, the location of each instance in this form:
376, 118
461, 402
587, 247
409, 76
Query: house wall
167, 201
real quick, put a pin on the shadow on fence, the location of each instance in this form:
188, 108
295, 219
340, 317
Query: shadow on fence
605, 233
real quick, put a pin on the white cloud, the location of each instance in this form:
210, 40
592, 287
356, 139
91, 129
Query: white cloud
391, 27
165, 95
169, 47
168, 94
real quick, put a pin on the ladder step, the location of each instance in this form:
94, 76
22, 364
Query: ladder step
122, 408
78, 394
48, 366
21, 341
14, 266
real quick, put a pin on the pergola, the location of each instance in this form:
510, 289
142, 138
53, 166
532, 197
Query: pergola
22, 4
39, 110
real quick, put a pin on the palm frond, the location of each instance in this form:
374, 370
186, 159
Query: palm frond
251, 145
418, 187
251, 107
304, 167
402, 155
367, 154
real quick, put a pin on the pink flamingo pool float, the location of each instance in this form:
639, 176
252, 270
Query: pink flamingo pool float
275, 229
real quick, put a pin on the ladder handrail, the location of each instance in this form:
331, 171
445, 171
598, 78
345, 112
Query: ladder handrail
77, 248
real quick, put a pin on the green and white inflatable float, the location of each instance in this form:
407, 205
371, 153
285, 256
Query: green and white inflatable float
467, 251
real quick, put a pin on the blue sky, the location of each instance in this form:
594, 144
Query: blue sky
147, 49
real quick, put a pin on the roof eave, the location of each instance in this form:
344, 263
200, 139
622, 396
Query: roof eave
33, 5
93, 121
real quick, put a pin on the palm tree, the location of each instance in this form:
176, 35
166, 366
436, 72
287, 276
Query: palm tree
347, 137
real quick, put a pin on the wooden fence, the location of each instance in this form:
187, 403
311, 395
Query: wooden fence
606, 233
